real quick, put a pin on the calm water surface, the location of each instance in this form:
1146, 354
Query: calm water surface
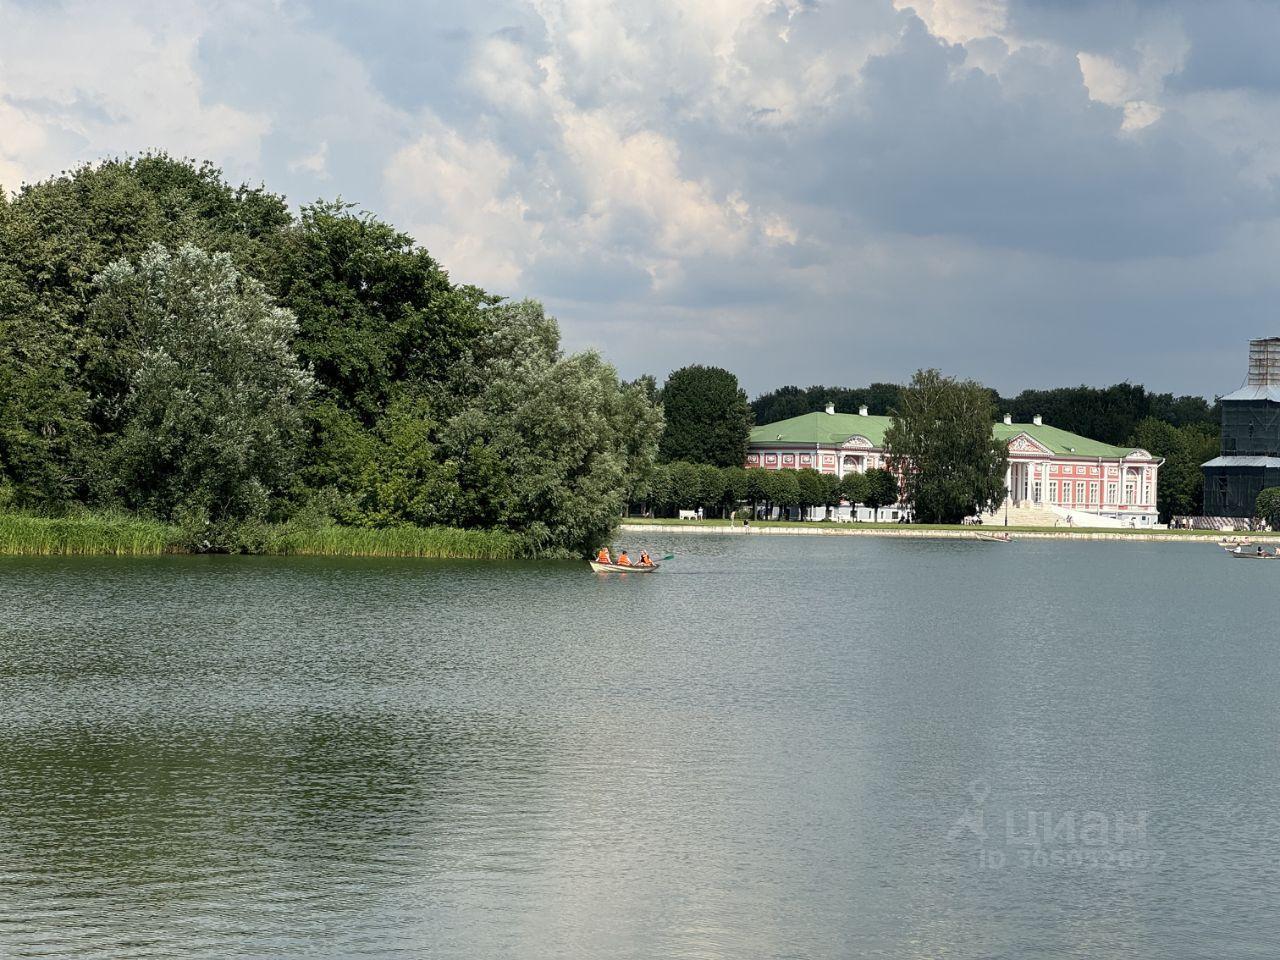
775, 747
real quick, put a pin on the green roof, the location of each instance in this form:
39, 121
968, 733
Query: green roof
1062, 442
836, 428
822, 428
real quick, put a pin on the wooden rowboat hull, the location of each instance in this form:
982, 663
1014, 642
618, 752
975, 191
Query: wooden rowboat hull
614, 567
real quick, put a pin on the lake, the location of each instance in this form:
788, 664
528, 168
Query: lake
773, 747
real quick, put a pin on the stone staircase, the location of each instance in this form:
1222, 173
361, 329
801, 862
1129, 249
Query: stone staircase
1023, 515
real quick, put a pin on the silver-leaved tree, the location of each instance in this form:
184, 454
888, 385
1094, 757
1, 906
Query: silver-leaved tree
204, 391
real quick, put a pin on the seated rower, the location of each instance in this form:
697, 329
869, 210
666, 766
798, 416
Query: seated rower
645, 559
623, 560
603, 556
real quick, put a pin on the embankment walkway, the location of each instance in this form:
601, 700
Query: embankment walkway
819, 529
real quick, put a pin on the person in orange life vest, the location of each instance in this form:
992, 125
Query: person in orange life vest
645, 559
603, 556
623, 560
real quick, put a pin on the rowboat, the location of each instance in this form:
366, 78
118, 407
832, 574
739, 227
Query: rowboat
599, 567
995, 537
1242, 555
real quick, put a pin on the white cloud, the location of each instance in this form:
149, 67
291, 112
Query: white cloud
84, 80
23, 143
1138, 89
315, 163
460, 203
594, 181
716, 169
958, 21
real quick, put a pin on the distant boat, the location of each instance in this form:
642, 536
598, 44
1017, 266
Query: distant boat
599, 567
1253, 555
995, 537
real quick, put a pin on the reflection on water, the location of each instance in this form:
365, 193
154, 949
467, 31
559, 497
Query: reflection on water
774, 747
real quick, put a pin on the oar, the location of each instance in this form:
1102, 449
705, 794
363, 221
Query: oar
669, 556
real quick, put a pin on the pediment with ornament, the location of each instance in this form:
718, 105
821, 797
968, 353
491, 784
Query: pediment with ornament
857, 443
1138, 454
1023, 443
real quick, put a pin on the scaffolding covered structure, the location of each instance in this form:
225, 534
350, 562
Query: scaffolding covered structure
1264, 362
1250, 451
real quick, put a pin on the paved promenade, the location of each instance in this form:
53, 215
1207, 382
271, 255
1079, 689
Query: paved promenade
818, 529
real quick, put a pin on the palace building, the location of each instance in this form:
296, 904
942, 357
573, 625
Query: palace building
1052, 475
1250, 449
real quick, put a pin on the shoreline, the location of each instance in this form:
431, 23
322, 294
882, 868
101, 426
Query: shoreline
820, 529
120, 535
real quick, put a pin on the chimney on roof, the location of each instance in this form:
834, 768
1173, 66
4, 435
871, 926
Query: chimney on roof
862, 410
1037, 421
1008, 418
831, 408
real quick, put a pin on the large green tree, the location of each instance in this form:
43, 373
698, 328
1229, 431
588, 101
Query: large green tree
1180, 491
940, 442
881, 489
813, 489
46, 441
433, 402
55, 237
546, 442
1267, 506
782, 488
707, 417
375, 311
205, 395
855, 488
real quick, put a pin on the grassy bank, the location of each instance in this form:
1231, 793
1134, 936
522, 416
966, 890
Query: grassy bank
433, 542
109, 534
818, 525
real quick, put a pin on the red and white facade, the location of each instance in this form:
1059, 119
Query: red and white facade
1120, 488
1115, 489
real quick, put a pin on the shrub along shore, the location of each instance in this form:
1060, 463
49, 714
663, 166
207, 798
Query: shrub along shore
110, 534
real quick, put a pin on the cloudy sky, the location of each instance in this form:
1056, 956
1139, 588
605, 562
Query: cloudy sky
1029, 192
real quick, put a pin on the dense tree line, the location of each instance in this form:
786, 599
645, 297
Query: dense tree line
726, 491
1180, 487
785, 402
192, 350
1184, 430
1110, 414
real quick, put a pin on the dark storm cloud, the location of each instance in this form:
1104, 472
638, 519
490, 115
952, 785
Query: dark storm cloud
1234, 45
1024, 160
416, 50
